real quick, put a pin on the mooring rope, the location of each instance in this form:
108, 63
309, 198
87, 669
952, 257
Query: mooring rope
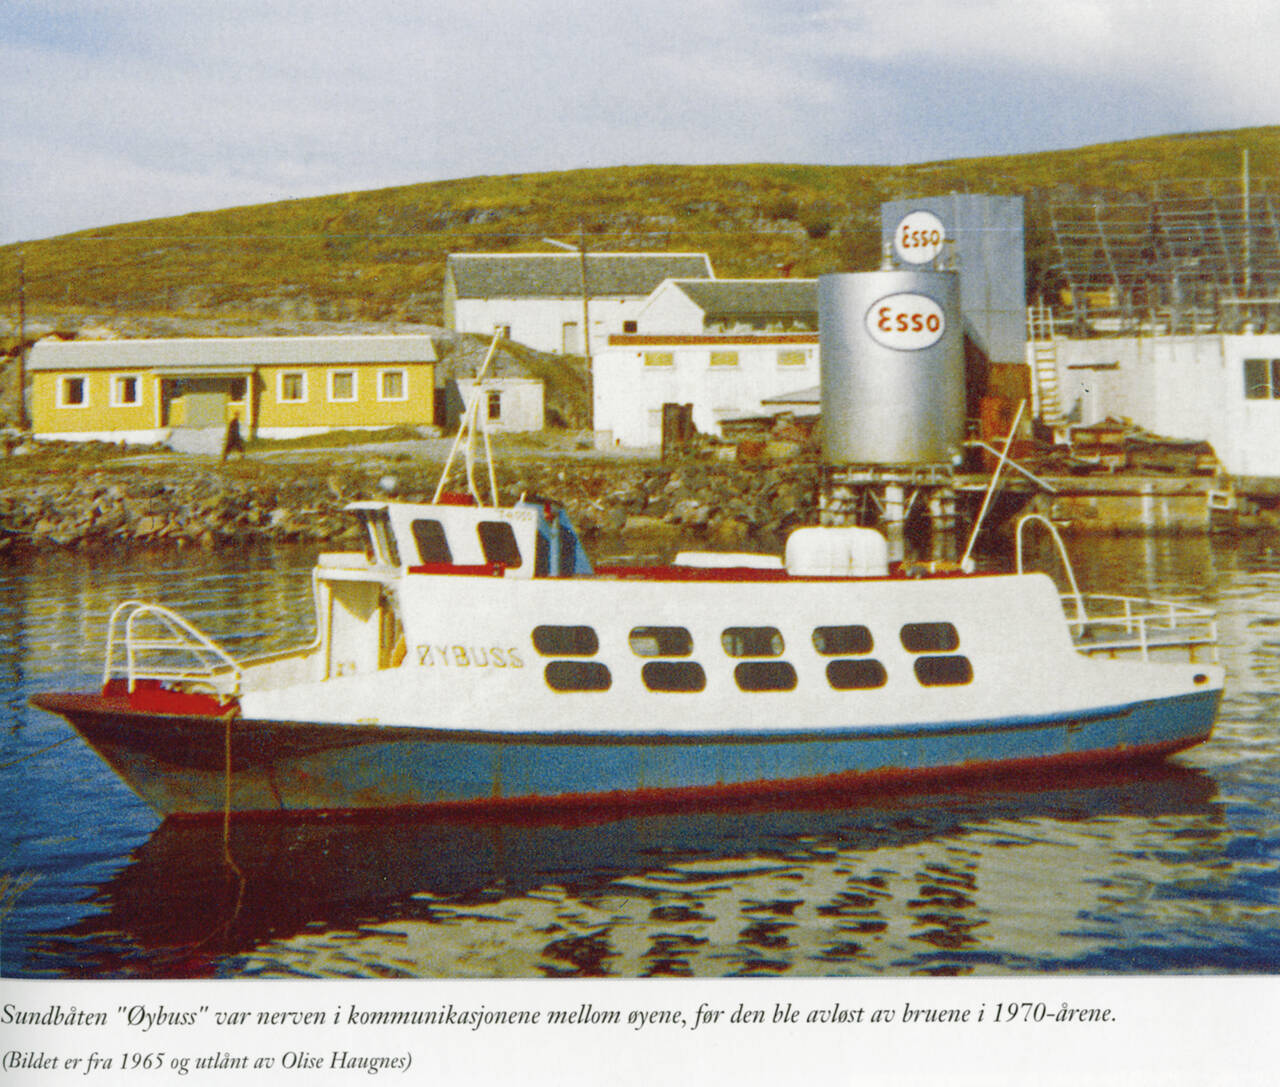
33, 754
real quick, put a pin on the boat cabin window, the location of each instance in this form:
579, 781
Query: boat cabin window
930, 638
673, 676
765, 676
951, 671
381, 538
498, 541
856, 675
578, 676
432, 544
842, 641
660, 642
752, 642
552, 641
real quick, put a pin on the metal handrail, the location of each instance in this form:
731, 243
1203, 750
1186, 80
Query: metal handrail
1077, 599
203, 661
1144, 625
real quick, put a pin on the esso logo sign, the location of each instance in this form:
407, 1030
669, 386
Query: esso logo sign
918, 237
906, 321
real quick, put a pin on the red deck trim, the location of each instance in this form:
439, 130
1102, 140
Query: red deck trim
482, 569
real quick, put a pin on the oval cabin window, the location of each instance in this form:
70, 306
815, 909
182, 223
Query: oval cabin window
954, 671
660, 641
578, 676
842, 641
930, 638
752, 642
552, 641
679, 676
765, 676
856, 675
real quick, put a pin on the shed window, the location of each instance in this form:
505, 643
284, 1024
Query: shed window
578, 676
392, 385
793, 358
494, 405
660, 642
498, 541
342, 386
293, 387
124, 391
433, 546
628, 326
1262, 379
765, 676
677, 676
724, 358
842, 641
659, 358
73, 392
864, 674
752, 642
556, 641
930, 638
950, 671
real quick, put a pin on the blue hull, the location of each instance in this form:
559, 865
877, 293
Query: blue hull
179, 763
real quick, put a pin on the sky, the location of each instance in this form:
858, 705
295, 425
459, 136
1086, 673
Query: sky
119, 110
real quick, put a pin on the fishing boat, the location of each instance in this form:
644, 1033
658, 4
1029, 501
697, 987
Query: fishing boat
473, 657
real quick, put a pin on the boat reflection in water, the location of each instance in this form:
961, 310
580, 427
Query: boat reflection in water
1051, 874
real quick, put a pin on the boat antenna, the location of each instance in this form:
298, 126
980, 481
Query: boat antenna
966, 563
466, 429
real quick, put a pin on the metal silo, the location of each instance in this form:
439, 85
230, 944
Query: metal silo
893, 389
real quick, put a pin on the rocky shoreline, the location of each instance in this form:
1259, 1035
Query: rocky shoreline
93, 499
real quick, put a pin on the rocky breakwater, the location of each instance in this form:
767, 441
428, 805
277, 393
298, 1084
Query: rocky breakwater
193, 502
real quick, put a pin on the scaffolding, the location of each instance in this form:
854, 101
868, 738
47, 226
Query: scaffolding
1185, 257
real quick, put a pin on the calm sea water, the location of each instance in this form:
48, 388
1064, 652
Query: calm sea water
1175, 869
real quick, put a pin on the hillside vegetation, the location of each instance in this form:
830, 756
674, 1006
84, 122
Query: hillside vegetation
379, 255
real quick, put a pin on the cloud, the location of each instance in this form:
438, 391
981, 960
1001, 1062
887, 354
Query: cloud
124, 109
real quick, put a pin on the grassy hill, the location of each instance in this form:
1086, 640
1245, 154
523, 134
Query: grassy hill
379, 255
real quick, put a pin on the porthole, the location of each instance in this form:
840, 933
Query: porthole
660, 641
765, 676
552, 641
954, 671
842, 641
578, 676
856, 675
930, 638
498, 542
752, 642
673, 676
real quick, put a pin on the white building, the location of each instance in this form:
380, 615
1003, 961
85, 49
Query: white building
1208, 387
724, 346
538, 298
511, 405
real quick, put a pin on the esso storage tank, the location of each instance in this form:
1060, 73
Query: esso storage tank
893, 389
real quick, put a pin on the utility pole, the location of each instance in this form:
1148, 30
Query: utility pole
22, 342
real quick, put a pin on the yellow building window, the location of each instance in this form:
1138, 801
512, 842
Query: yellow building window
342, 386
659, 358
73, 392
393, 385
724, 358
292, 388
793, 358
126, 391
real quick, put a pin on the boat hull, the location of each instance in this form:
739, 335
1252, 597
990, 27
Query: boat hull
194, 763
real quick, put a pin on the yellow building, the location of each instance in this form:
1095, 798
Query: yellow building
278, 387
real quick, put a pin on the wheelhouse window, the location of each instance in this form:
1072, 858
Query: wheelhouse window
566, 641
433, 545
73, 392
342, 386
660, 641
752, 642
126, 391
292, 387
1262, 379
498, 542
393, 385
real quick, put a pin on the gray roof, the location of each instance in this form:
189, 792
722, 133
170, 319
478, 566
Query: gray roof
239, 352
559, 275
754, 297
